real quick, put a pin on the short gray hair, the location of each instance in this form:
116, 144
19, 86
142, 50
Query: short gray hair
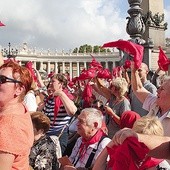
93, 115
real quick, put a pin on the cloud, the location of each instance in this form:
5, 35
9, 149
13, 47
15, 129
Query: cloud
58, 24
167, 19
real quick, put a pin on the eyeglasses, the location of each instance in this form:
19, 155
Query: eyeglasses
4, 79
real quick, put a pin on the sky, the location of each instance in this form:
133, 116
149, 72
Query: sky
58, 25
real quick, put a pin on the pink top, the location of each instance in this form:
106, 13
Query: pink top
16, 137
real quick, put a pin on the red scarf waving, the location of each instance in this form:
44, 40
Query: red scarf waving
130, 48
84, 145
58, 103
131, 155
163, 61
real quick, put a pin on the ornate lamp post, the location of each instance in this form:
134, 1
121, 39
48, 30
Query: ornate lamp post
135, 26
10, 52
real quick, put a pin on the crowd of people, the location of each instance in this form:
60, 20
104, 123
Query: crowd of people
98, 121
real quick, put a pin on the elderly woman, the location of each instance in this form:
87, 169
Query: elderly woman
44, 152
59, 107
16, 131
118, 103
132, 152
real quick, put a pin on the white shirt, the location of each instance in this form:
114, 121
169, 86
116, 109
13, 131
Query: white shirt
30, 101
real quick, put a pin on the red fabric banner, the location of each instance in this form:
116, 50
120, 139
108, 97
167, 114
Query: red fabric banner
133, 49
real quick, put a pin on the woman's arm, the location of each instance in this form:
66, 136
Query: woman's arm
137, 86
100, 89
6, 161
159, 145
112, 114
68, 104
101, 161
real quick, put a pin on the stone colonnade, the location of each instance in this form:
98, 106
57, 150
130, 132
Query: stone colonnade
72, 64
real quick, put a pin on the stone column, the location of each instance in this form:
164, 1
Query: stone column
85, 65
78, 68
56, 67
41, 65
35, 64
63, 63
48, 67
71, 71
106, 65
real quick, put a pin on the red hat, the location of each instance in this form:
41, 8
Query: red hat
130, 48
128, 118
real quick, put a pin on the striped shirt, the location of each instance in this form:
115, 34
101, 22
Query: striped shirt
61, 120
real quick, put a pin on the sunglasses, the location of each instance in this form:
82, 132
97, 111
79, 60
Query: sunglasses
4, 79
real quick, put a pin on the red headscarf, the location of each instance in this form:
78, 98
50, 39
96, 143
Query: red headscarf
130, 48
128, 118
163, 61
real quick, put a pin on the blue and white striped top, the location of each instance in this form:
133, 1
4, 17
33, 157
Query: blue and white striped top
61, 120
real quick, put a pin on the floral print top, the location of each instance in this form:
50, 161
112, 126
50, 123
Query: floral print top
43, 155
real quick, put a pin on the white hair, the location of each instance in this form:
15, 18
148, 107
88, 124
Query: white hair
93, 115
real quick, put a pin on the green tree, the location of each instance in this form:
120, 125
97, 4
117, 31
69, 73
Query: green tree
89, 49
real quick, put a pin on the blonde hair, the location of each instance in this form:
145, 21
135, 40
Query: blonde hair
121, 85
149, 125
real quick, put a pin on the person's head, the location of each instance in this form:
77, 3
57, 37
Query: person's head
58, 81
161, 79
163, 95
128, 118
119, 86
89, 122
149, 125
41, 124
15, 82
143, 71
